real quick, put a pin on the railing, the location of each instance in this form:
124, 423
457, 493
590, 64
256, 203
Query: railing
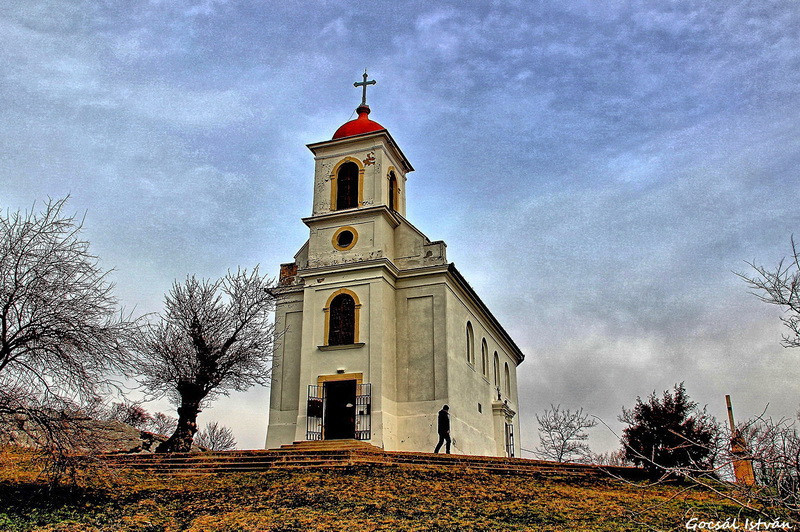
510, 440
363, 412
314, 413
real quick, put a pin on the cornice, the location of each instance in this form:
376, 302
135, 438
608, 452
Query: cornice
503, 408
382, 262
358, 212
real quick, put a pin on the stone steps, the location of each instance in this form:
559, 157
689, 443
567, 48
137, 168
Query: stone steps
339, 454
329, 445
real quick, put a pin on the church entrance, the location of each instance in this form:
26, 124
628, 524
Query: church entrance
339, 409
339, 418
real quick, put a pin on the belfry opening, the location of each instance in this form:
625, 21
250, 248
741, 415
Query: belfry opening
347, 186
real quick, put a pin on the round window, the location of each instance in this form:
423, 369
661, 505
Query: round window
344, 238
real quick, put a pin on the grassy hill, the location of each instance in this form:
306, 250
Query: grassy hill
361, 497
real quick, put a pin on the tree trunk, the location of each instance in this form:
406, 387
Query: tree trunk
181, 440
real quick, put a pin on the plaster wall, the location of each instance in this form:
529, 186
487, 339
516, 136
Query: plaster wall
414, 354
285, 378
375, 237
370, 356
421, 366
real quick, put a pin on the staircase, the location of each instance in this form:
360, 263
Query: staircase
348, 454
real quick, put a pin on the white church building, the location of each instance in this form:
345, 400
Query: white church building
378, 330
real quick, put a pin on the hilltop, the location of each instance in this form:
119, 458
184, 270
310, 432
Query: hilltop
357, 497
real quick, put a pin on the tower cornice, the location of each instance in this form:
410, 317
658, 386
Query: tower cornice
355, 213
382, 134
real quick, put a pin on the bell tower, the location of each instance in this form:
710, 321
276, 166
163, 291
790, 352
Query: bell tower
359, 191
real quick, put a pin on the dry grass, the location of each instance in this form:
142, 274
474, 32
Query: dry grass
362, 498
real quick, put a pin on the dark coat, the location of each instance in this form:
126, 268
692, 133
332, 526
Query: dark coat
444, 422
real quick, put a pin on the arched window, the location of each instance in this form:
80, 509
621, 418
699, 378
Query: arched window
508, 381
484, 358
347, 186
470, 344
392, 191
342, 325
496, 370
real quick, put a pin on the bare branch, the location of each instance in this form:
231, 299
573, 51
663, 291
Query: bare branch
780, 286
59, 326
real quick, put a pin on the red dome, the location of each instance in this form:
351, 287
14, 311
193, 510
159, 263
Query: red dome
360, 125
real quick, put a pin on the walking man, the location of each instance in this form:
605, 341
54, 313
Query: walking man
444, 429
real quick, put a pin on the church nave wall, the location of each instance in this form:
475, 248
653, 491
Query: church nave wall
474, 394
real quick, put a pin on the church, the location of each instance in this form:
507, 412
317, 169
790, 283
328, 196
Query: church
377, 331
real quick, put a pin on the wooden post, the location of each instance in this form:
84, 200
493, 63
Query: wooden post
742, 466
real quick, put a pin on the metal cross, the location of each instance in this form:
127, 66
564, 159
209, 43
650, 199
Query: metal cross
364, 85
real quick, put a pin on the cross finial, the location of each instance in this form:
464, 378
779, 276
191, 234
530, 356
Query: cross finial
364, 85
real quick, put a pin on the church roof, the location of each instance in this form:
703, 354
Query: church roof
359, 126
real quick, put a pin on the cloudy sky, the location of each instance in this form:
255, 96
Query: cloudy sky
598, 169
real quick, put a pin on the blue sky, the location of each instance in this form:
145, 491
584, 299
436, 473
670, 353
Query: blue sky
598, 169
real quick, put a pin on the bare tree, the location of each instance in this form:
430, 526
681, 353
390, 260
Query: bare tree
611, 458
773, 448
562, 436
137, 416
216, 437
60, 331
780, 286
213, 337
